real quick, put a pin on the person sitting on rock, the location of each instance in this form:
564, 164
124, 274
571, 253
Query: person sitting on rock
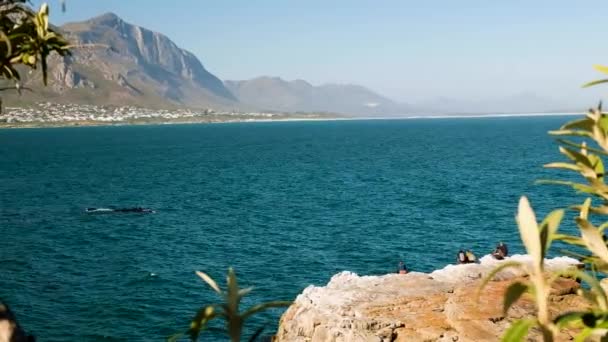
462, 257
498, 254
503, 248
501, 251
471, 258
402, 269
10, 330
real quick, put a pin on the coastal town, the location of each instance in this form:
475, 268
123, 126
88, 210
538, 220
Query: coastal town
56, 114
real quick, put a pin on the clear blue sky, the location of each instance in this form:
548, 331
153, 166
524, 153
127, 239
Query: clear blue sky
407, 50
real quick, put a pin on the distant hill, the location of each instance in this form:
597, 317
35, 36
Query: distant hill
129, 65
273, 93
525, 102
124, 64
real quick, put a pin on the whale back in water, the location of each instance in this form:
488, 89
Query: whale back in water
118, 210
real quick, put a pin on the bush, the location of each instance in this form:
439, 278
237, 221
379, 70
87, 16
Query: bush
228, 310
583, 142
27, 39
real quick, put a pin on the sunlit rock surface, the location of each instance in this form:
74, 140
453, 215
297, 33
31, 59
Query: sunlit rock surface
440, 306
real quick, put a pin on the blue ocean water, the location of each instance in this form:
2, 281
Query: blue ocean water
287, 204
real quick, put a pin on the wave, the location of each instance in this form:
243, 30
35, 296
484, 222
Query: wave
98, 210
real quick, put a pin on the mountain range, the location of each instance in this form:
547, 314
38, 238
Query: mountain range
524, 102
291, 96
119, 63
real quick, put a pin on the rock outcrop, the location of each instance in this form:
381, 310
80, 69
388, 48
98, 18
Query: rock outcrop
440, 306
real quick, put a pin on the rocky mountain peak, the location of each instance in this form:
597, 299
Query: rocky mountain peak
130, 64
107, 19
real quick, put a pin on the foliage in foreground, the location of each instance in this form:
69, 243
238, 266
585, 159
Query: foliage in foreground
583, 142
26, 39
228, 310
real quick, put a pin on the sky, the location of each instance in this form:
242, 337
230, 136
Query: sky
410, 51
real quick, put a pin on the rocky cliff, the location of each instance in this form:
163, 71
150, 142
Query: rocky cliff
440, 306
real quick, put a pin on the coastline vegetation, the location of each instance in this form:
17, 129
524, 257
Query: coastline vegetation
583, 142
228, 310
26, 39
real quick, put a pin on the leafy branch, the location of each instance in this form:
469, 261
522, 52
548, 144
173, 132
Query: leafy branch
228, 310
27, 39
584, 157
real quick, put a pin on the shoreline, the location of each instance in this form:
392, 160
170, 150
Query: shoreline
76, 124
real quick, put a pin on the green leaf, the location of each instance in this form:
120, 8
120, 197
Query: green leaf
503, 265
528, 229
601, 210
233, 291
598, 165
583, 335
588, 331
567, 166
44, 15
580, 146
576, 186
576, 156
584, 124
568, 318
600, 321
7, 42
514, 291
573, 240
593, 239
518, 330
604, 225
603, 122
596, 82
244, 292
573, 133
584, 211
207, 279
601, 68
199, 322
594, 284
264, 306
549, 227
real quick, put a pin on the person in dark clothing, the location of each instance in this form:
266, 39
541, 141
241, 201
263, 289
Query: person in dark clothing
462, 257
402, 269
10, 330
503, 248
501, 251
471, 258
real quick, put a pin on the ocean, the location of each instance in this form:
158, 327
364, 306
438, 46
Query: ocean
287, 204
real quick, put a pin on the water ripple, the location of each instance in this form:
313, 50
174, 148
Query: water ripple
286, 204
